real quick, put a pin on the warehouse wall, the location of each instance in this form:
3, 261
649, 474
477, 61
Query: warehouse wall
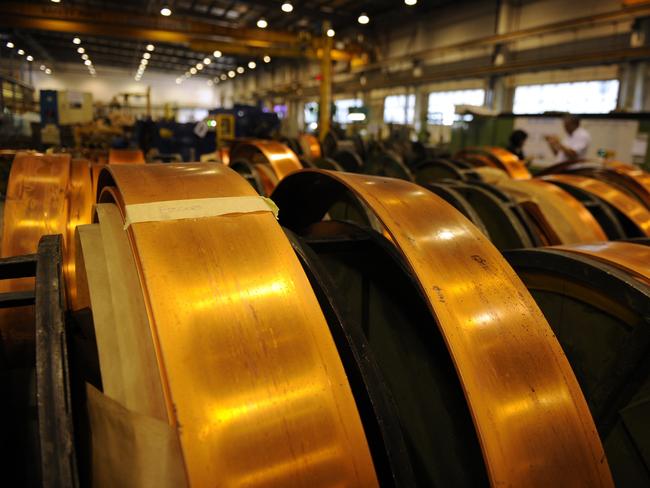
408, 55
110, 81
411, 57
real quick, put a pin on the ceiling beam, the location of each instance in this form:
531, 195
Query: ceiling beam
100, 17
200, 37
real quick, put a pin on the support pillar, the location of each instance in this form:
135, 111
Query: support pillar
325, 108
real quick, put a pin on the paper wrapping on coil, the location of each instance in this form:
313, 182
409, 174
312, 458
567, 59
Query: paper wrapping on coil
196, 208
130, 449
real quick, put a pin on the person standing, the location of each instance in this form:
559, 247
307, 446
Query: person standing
574, 146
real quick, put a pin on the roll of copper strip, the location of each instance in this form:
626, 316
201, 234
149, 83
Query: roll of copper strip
510, 163
498, 158
251, 376
257, 151
125, 156
567, 218
532, 421
95, 170
268, 178
81, 199
46, 194
224, 155
636, 179
36, 205
310, 146
36, 202
633, 258
628, 206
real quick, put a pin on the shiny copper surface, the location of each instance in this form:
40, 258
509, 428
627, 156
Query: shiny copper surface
568, 219
510, 163
257, 151
635, 178
310, 146
46, 194
125, 156
80, 198
628, 206
95, 170
634, 258
36, 202
267, 176
35, 205
497, 157
532, 421
224, 155
250, 373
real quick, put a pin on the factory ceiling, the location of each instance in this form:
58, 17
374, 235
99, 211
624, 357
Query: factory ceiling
230, 33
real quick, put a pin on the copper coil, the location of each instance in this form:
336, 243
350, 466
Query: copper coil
562, 218
626, 177
250, 374
496, 157
267, 177
633, 258
126, 156
257, 151
224, 155
46, 194
310, 146
95, 170
628, 206
532, 421
637, 180
81, 199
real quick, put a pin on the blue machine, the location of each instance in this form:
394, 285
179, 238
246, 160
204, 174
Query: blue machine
49, 107
251, 121
171, 137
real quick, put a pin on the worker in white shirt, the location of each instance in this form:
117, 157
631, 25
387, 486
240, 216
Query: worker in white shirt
574, 146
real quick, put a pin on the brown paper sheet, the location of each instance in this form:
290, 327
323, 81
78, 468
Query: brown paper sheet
130, 450
140, 375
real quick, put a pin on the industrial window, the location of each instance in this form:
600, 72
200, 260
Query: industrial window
584, 97
185, 115
442, 105
399, 109
342, 108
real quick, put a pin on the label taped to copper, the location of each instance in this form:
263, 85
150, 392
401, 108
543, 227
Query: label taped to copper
196, 208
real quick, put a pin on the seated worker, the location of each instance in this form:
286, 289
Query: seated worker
574, 145
516, 143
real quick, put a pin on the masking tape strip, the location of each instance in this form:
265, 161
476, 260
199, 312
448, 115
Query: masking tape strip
196, 208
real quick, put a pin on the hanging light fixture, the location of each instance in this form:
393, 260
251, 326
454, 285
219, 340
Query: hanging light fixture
262, 23
287, 7
363, 19
165, 11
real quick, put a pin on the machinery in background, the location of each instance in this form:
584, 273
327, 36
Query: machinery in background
195, 141
250, 121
